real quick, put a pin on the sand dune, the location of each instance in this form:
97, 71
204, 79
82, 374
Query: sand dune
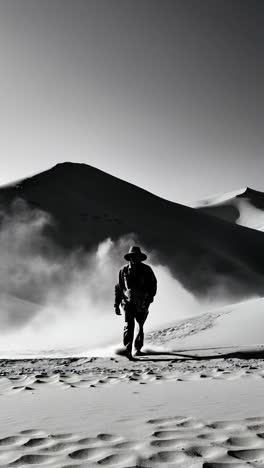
87, 206
230, 326
15, 310
244, 207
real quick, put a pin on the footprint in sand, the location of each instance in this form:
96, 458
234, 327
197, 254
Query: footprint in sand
126, 445
88, 454
59, 448
65, 437
171, 443
32, 460
33, 433
244, 441
168, 456
13, 441
170, 420
117, 459
251, 455
227, 464
38, 442
108, 437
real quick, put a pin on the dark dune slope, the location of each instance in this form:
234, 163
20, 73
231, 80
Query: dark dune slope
88, 205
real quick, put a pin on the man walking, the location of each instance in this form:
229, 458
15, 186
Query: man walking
135, 291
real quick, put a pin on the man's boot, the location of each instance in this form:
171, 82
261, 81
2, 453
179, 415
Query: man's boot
126, 353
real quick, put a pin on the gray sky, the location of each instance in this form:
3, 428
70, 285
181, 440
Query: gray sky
167, 94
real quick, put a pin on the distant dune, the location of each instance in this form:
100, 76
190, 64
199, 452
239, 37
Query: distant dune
203, 252
234, 326
244, 207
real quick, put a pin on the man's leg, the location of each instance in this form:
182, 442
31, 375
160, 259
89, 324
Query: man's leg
140, 318
129, 327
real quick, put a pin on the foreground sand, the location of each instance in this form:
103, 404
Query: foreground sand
161, 410
176, 406
172, 441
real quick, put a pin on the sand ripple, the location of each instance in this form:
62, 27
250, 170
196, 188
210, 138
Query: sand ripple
191, 443
68, 374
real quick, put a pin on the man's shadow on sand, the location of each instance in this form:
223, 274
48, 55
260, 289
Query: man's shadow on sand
181, 357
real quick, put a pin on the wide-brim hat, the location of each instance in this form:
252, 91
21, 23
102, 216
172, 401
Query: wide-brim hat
135, 250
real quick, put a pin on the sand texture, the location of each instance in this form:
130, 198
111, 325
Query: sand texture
154, 367
174, 406
175, 441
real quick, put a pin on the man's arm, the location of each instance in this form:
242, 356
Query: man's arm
152, 283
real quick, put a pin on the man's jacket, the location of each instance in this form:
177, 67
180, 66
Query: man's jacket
137, 283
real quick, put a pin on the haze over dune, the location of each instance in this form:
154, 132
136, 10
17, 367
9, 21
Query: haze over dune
244, 207
84, 206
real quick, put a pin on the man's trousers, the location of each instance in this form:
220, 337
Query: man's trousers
132, 314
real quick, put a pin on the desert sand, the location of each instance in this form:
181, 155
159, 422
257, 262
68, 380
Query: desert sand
177, 405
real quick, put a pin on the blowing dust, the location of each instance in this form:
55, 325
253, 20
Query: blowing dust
56, 303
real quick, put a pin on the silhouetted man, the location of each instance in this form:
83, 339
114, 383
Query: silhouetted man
134, 291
